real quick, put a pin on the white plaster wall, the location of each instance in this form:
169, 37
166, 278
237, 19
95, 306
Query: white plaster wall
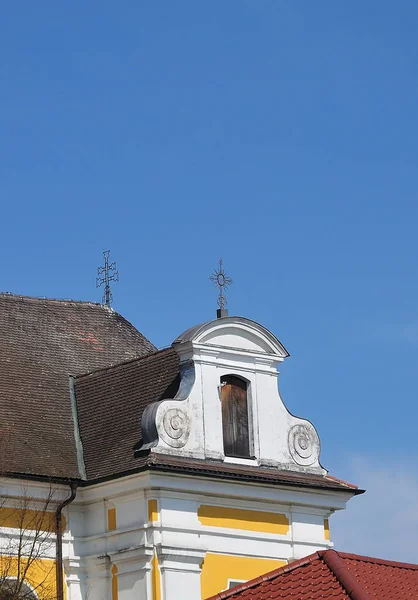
30, 495
179, 538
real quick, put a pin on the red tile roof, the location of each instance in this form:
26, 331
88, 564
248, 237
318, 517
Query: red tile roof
332, 575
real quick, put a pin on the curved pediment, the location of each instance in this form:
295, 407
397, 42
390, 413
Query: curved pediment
237, 333
231, 409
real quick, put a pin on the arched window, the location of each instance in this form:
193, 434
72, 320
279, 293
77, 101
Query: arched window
15, 589
235, 422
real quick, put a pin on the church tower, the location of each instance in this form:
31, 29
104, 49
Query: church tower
230, 484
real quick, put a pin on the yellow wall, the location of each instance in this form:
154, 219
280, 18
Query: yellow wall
152, 511
28, 519
237, 518
326, 529
111, 519
217, 569
40, 574
153, 517
156, 579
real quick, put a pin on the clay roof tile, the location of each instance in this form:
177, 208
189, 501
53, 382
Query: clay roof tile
331, 574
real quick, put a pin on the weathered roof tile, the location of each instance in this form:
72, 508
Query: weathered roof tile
42, 342
110, 403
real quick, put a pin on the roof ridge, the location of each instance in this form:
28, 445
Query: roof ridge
379, 561
334, 561
122, 363
345, 577
300, 562
45, 298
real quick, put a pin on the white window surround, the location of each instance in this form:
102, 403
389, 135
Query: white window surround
250, 417
233, 582
27, 589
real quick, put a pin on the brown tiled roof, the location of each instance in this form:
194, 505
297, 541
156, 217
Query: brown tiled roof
42, 342
110, 404
331, 574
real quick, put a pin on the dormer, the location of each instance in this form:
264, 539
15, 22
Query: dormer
228, 407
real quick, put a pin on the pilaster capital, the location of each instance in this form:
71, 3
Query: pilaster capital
132, 559
175, 558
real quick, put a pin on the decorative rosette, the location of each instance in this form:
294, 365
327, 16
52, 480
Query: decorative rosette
304, 444
175, 429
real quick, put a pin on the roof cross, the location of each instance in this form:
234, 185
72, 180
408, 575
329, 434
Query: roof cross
222, 281
109, 273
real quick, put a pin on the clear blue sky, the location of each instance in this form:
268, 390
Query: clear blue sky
282, 136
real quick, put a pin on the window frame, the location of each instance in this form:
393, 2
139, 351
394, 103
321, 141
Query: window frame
250, 418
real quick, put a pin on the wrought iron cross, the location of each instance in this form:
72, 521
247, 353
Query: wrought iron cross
222, 281
109, 273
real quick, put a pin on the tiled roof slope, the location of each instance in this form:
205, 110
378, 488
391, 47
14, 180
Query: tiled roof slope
110, 404
42, 342
333, 575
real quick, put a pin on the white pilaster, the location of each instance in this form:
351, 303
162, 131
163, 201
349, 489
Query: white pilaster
180, 570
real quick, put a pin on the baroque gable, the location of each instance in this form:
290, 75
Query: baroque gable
228, 406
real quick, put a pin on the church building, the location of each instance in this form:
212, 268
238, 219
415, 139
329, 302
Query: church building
159, 474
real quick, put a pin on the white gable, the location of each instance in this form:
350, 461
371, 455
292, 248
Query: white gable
191, 423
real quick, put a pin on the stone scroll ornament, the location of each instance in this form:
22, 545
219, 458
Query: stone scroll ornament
175, 428
304, 444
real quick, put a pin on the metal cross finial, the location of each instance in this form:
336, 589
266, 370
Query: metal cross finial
109, 273
222, 281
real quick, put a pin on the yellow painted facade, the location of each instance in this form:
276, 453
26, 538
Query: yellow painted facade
238, 518
218, 569
156, 579
115, 592
153, 517
153, 511
326, 529
26, 519
111, 519
38, 574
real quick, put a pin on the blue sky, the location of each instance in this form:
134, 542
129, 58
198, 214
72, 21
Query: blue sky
282, 136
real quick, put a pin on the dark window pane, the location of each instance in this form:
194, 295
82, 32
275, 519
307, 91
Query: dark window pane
235, 417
